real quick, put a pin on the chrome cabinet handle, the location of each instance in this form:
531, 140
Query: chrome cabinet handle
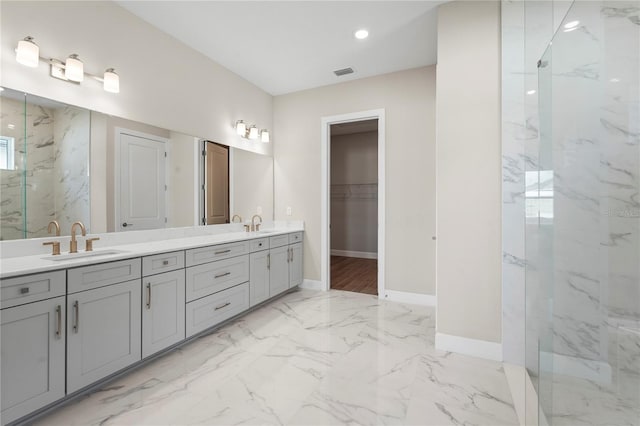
222, 251
224, 305
24, 290
76, 308
59, 321
165, 262
291, 254
148, 295
125, 224
269, 261
222, 275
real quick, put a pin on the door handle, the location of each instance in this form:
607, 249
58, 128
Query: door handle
269, 261
224, 305
125, 224
59, 321
222, 251
148, 295
221, 275
76, 308
291, 254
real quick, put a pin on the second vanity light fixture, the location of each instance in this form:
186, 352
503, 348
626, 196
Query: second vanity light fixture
251, 132
72, 69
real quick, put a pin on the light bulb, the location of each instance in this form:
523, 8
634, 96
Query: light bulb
111, 81
264, 135
253, 132
28, 53
74, 68
241, 128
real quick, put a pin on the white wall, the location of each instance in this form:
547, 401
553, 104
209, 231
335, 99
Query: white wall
354, 209
469, 170
162, 82
408, 98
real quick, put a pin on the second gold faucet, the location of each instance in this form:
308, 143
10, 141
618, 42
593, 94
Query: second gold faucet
73, 245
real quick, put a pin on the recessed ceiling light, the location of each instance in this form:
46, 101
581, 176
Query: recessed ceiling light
615, 80
361, 34
571, 24
531, 92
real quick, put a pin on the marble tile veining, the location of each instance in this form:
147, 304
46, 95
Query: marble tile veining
307, 358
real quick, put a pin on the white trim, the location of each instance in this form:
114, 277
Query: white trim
466, 346
410, 298
312, 285
358, 254
325, 145
232, 199
196, 182
117, 132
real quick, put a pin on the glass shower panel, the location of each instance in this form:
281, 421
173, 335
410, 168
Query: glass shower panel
589, 342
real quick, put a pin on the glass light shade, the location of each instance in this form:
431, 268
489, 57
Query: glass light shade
264, 135
241, 128
111, 81
253, 132
28, 53
74, 68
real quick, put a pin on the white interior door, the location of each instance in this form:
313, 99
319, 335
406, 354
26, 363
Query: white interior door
142, 183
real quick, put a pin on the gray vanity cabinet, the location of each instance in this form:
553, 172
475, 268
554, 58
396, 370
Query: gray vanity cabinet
295, 265
103, 332
163, 311
279, 270
259, 277
32, 357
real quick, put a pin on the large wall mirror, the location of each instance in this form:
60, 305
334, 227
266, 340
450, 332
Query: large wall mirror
65, 163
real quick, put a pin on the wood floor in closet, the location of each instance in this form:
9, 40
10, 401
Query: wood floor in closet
354, 274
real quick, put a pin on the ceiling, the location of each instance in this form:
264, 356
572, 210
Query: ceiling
287, 46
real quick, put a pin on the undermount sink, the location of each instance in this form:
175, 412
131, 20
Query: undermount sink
81, 255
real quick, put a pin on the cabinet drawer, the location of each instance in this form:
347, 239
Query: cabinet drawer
211, 310
203, 280
279, 241
94, 276
164, 262
296, 237
31, 288
223, 251
259, 244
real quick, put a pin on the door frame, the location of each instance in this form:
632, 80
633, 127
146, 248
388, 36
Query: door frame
201, 170
325, 182
117, 132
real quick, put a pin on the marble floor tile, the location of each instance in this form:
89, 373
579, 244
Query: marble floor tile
307, 358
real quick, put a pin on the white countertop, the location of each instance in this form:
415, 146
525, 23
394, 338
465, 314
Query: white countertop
23, 265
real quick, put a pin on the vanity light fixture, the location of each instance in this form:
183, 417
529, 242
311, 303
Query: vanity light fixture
74, 68
27, 52
361, 34
70, 70
252, 132
531, 92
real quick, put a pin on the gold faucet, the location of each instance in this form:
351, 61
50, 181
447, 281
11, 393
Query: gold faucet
255, 226
73, 245
55, 245
56, 225
233, 219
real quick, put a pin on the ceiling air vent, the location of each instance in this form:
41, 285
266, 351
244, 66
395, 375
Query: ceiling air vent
343, 71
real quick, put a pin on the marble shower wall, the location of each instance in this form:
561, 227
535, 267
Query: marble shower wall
71, 187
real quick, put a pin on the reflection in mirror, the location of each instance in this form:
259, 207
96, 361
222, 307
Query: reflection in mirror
44, 165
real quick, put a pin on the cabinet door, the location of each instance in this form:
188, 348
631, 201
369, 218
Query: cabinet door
162, 311
32, 357
279, 270
295, 265
103, 332
259, 277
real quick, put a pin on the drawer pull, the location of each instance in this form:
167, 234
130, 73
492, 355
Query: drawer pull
165, 262
24, 290
222, 252
59, 321
224, 305
222, 275
76, 324
148, 295
269, 261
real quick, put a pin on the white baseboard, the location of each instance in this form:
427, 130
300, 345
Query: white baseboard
466, 346
359, 254
410, 298
312, 285
597, 371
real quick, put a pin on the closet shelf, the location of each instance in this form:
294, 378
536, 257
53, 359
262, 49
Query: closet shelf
354, 191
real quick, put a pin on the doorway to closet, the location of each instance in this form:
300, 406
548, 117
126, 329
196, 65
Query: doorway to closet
353, 206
